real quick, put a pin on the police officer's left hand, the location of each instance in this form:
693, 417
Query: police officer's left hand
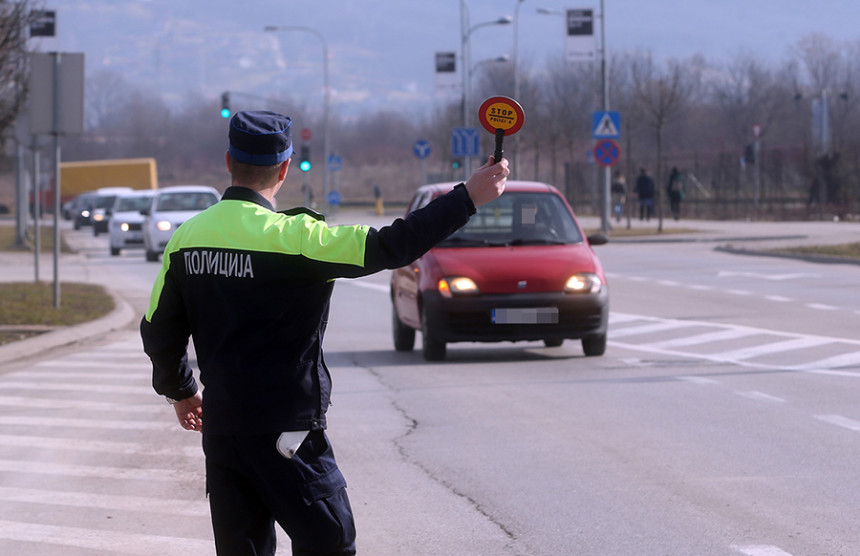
190, 412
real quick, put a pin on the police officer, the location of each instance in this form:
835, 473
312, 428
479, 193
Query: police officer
252, 287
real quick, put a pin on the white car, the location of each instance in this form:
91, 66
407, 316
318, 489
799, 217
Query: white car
126, 222
170, 207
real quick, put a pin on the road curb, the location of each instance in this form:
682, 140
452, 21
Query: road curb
120, 317
822, 259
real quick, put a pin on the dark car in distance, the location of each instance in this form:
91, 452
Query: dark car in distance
520, 270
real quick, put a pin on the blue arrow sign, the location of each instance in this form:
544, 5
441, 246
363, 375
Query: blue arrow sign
465, 141
334, 198
421, 148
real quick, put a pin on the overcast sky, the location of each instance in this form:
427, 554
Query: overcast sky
381, 51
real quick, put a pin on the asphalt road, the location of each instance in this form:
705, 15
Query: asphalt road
722, 420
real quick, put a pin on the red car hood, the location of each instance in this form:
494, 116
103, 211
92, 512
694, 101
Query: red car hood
520, 269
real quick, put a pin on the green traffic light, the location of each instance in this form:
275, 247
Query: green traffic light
225, 113
305, 165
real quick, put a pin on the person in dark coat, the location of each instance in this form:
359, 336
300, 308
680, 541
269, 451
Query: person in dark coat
644, 190
675, 192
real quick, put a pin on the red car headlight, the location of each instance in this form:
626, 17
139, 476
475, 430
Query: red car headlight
458, 285
583, 283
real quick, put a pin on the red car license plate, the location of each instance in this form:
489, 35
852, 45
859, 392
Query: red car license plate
526, 315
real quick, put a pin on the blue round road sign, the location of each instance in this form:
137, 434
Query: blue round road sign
421, 148
334, 198
607, 152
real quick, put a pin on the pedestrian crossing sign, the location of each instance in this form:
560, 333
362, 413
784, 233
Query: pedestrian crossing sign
606, 125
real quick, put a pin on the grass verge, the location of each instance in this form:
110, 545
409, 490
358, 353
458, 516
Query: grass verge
846, 250
27, 308
622, 231
46, 245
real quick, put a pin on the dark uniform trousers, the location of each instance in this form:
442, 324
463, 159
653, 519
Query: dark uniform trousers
251, 486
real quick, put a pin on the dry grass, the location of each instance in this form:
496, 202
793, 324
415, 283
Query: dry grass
7, 240
27, 308
847, 250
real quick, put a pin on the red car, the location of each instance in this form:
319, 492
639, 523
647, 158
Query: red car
520, 270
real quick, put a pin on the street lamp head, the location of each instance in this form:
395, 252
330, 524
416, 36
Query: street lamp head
504, 20
271, 28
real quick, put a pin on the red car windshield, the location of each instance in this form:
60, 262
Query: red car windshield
519, 218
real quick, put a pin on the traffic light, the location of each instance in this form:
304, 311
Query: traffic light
456, 163
305, 158
749, 154
225, 104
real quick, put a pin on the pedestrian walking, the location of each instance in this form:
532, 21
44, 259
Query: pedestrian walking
252, 288
675, 190
644, 190
618, 191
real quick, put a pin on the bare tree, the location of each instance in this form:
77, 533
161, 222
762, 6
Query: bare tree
106, 94
15, 18
569, 95
662, 94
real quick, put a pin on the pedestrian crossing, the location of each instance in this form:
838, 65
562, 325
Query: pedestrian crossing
740, 345
93, 462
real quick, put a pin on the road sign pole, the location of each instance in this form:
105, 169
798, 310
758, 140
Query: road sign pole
604, 79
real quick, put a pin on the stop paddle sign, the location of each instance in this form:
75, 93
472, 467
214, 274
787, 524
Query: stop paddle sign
501, 116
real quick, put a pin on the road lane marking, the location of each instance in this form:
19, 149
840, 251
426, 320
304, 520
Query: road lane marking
760, 550
840, 421
648, 328
143, 378
172, 506
773, 277
778, 298
99, 446
69, 364
698, 380
831, 365
52, 403
773, 347
97, 472
104, 423
76, 387
102, 541
760, 396
835, 362
704, 338
822, 307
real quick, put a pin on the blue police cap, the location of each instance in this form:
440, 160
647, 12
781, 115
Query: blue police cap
260, 138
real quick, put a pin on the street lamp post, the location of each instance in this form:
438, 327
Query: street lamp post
326, 97
604, 101
466, 61
516, 156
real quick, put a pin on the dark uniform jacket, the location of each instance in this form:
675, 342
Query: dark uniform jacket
252, 287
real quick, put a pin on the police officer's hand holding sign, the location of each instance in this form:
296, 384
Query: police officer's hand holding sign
252, 287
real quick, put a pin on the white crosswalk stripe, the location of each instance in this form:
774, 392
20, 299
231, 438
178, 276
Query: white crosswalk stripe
707, 341
84, 439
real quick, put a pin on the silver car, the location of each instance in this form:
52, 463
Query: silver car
170, 207
126, 223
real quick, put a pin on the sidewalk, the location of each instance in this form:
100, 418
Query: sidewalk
744, 238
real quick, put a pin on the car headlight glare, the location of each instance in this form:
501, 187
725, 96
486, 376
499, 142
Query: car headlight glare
164, 225
124, 226
98, 217
583, 283
458, 285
